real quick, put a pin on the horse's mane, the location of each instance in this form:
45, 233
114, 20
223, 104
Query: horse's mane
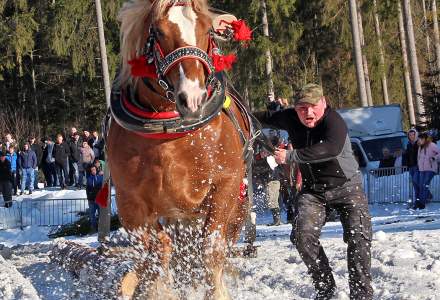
133, 16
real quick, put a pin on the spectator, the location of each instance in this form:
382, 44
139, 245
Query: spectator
28, 163
87, 138
5, 179
100, 166
388, 160
74, 160
49, 163
61, 154
87, 157
97, 144
12, 157
9, 141
427, 160
39, 153
94, 184
411, 153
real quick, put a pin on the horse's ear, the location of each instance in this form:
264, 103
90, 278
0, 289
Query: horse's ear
221, 24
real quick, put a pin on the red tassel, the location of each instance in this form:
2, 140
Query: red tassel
223, 62
241, 31
102, 196
140, 68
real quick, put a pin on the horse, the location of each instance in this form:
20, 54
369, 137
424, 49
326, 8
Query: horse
176, 137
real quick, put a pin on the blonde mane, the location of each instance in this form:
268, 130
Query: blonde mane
133, 16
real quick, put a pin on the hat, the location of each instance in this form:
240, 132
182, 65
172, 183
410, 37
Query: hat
310, 93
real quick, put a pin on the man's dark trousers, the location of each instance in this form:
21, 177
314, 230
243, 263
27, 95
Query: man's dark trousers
351, 203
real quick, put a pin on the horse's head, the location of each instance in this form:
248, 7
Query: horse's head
177, 41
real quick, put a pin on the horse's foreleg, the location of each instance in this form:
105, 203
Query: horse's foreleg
215, 241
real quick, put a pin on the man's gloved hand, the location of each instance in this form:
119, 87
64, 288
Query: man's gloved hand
280, 156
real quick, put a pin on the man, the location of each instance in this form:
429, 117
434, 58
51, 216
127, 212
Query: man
74, 158
387, 160
97, 144
5, 179
39, 153
93, 186
12, 157
61, 154
331, 179
410, 157
9, 141
28, 163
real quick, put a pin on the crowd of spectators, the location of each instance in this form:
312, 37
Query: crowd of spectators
67, 160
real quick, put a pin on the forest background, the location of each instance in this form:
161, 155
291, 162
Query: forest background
50, 67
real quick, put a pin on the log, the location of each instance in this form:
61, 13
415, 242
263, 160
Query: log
104, 273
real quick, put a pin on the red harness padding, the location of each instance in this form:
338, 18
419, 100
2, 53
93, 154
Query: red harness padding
243, 192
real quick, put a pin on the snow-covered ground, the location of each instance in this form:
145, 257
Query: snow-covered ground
405, 261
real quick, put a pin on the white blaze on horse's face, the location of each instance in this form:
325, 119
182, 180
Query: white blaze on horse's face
189, 90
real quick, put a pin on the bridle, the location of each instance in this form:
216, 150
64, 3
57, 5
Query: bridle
154, 55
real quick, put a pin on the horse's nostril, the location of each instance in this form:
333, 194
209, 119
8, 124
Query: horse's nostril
183, 98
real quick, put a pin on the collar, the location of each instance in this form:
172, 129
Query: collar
132, 116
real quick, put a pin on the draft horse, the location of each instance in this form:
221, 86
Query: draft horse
176, 134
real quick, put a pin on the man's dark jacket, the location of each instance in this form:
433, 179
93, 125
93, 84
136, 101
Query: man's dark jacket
74, 151
5, 171
323, 153
38, 152
28, 159
61, 152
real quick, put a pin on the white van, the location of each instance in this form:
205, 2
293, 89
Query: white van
373, 128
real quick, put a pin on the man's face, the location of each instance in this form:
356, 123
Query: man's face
9, 137
386, 152
26, 147
72, 130
86, 133
93, 171
412, 136
95, 134
310, 114
59, 139
2, 158
11, 150
32, 141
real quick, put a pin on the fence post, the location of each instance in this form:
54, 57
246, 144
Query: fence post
21, 215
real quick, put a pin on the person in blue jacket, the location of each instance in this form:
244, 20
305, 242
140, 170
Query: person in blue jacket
93, 186
12, 157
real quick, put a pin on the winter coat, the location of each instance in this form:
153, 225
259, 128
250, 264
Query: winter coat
61, 153
5, 171
427, 158
411, 153
93, 186
74, 151
38, 152
86, 157
13, 159
28, 160
48, 153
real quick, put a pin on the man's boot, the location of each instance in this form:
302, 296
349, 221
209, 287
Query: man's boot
325, 287
276, 217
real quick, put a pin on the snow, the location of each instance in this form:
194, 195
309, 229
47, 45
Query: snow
405, 260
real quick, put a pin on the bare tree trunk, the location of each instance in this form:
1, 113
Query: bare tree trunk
34, 89
426, 32
436, 34
415, 74
364, 57
270, 91
105, 212
386, 99
408, 89
357, 53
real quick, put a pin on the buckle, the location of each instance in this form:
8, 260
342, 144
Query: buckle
163, 84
